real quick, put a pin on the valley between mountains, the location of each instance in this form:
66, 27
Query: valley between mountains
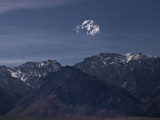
107, 85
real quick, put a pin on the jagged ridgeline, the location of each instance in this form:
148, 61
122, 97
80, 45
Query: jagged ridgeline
104, 85
138, 73
30, 72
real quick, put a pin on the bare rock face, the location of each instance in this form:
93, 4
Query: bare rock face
30, 72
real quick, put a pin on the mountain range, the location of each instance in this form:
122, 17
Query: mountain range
73, 92
104, 85
137, 73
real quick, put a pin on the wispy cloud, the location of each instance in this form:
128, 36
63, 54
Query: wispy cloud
10, 61
7, 5
90, 26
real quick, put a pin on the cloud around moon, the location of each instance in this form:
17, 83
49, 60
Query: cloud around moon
89, 26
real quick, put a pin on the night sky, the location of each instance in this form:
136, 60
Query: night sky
70, 30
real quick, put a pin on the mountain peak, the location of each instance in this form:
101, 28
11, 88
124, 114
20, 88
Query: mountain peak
124, 71
107, 59
38, 64
30, 72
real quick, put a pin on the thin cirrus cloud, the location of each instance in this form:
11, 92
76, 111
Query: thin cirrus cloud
89, 26
11, 61
8, 5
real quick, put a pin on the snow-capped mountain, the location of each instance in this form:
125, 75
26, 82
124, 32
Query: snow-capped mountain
137, 73
64, 87
30, 72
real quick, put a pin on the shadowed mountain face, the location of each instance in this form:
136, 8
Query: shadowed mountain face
11, 90
20, 81
6, 102
137, 73
72, 92
152, 109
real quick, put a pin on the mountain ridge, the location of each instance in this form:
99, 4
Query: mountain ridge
135, 74
125, 71
70, 91
30, 72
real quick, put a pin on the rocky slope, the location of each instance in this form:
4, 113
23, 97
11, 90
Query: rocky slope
13, 86
152, 109
137, 73
6, 102
30, 72
20, 81
73, 92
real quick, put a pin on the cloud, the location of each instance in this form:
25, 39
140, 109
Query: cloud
90, 26
8, 5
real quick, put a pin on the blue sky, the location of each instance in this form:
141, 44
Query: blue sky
37, 30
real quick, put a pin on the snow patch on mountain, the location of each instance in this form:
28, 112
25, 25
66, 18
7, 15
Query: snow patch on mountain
19, 74
13, 74
42, 64
32, 71
136, 56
